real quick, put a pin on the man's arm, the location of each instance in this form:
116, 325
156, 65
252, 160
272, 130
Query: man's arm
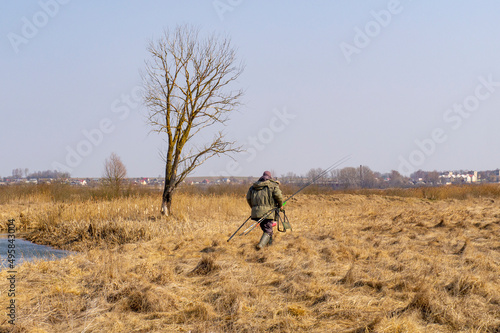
278, 196
249, 201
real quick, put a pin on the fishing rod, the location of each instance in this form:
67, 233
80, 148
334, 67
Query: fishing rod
239, 228
324, 172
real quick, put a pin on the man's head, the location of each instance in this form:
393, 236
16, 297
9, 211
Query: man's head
265, 176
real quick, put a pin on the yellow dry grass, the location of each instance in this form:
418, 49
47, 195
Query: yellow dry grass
353, 263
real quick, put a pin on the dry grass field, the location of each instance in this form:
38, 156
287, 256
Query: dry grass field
355, 262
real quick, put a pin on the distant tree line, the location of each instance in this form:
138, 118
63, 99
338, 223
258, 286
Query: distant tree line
349, 177
47, 174
364, 177
345, 178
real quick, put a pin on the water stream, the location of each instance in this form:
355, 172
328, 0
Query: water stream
26, 251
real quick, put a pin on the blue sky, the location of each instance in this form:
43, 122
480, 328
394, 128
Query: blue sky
399, 85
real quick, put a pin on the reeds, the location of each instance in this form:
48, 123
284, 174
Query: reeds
354, 263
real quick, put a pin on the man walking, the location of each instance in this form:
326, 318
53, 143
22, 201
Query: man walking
263, 196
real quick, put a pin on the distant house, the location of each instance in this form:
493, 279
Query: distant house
223, 181
472, 177
451, 178
78, 182
45, 181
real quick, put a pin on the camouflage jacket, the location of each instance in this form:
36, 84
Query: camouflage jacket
263, 196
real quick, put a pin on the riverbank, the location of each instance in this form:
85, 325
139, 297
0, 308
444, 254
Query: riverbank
353, 263
19, 250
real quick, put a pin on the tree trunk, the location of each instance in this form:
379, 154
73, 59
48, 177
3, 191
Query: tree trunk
166, 203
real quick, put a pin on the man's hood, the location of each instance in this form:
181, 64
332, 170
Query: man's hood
260, 185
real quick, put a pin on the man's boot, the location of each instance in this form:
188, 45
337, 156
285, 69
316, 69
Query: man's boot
263, 241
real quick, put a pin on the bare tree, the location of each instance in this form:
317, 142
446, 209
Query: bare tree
314, 173
348, 177
17, 173
396, 179
114, 172
418, 175
289, 177
432, 177
367, 177
186, 85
